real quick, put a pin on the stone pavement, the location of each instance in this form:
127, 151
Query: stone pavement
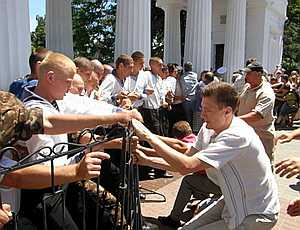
288, 190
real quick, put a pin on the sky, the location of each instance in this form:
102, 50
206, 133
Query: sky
36, 7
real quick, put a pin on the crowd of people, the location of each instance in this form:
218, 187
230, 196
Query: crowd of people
229, 166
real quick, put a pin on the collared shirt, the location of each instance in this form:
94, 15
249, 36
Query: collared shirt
241, 168
170, 84
260, 100
110, 87
136, 84
17, 86
154, 82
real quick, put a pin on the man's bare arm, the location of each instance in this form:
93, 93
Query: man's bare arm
39, 176
251, 117
180, 146
67, 123
179, 162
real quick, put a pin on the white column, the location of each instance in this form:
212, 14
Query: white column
264, 20
133, 27
172, 32
198, 34
234, 55
15, 44
59, 35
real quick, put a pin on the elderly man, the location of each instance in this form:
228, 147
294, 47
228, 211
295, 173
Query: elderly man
256, 106
232, 155
98, 69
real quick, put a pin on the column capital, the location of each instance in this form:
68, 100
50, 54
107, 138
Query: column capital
163, 4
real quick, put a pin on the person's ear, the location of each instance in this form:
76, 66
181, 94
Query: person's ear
228, 110
50, 77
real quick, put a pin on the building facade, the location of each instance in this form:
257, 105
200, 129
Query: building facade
218, 32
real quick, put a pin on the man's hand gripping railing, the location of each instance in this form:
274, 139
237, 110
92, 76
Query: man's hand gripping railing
49, 154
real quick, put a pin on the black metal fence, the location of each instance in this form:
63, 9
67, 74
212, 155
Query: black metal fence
127, 211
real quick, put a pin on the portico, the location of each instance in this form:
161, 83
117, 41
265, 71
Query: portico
218, 32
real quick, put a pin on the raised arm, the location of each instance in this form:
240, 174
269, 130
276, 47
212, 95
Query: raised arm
57, 124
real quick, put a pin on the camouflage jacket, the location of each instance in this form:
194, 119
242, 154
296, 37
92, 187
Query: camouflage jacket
16, 121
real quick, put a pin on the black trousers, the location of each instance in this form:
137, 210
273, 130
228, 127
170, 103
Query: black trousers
151, 120
176, 114
32, 209
164, 121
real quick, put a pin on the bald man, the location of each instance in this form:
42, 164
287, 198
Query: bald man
77, 85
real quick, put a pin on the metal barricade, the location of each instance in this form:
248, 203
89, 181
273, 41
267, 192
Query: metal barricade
128, 202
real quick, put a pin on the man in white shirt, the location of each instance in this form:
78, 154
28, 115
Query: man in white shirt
136, 78
234, 158
153, 87
112, 88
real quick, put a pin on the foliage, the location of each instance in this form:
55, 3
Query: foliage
157, 30
38, 37
291, 39
94, 31
93, 28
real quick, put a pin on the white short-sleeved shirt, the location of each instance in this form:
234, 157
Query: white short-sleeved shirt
241, 168
110, 87
136, 84
153, 101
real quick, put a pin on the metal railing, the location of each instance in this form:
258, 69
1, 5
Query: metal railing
128, 202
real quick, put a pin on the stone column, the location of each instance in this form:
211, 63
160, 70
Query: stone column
59, 34
234, 55
172, 32
15, 44
133, 27
198, 34
265, 25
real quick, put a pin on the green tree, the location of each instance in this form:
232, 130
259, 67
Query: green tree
157, 30
291, 38
93, 29
38, 37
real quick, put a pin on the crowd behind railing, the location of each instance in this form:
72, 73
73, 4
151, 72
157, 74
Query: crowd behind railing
168, 99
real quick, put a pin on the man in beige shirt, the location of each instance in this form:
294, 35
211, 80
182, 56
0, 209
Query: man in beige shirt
256, 106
